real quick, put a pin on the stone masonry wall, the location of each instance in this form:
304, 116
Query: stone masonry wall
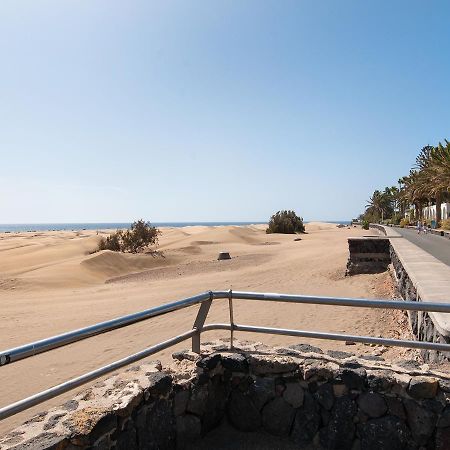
420, 322
295, 394
368, 255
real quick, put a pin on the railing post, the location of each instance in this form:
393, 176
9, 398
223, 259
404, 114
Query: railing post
199, 322
230, 304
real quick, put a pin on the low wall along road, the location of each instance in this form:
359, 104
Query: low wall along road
419, 275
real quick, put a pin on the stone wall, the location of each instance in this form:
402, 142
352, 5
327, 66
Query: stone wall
297, 397
368, 255
422, 325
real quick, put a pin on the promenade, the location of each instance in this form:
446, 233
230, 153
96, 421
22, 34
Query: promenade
435, 245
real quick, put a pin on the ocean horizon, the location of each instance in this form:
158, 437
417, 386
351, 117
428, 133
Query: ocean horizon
34, 227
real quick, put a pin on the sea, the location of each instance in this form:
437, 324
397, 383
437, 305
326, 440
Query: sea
34, 227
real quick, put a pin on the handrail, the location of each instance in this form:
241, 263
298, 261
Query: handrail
205, 299
44, 345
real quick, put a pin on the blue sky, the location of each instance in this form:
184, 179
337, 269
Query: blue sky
203, 110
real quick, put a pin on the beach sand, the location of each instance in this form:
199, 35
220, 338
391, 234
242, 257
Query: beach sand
51, 282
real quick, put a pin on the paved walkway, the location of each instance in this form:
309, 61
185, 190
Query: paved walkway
437, 246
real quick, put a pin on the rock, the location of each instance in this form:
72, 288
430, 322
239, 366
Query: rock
160, 383
235, 362
155, 425
387, 432
294, 394
185, 354
264, 365
306, 348
277, 417
372, 357
188, 430
209, 362
444, 420
354, 378
420, 420
408, 364
71, 405
423, 387
197, 402
372, 404
262, 391
442, 439
380, 381
325, 396
395, 407
338, 354
242, 413
215, 405
306, 424
340, 430
180, 402
321, 370
340, 390
223, 255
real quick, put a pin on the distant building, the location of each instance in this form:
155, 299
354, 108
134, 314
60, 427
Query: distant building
429, 212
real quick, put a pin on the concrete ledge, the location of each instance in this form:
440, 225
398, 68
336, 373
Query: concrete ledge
430, 277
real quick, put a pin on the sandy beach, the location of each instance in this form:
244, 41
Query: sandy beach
52, 282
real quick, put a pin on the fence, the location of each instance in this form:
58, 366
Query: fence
205, 300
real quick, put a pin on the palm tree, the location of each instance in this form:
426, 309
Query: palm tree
377, 203
433, 164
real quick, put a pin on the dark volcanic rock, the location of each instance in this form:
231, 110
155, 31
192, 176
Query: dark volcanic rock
354, 378
443, 439
306, 424
242, 413
235, 362
444, 420
395, 407
209, 362
338, 354
155, 426
160, 383
294, 394
306, 348
340, 430
423, 387
387, 432
420, 420
325, 396
277, 417
188, 430
262, 391
372, 404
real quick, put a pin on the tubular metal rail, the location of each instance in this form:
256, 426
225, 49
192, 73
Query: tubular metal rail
205, 300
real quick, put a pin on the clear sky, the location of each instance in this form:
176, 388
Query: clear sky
214, 110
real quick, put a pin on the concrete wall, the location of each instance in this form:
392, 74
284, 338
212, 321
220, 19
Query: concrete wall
295, 397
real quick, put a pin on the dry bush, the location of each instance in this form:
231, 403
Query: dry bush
286, 222
134, 240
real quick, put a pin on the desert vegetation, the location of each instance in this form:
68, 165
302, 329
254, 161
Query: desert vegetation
137, 238
286, 222
428, 183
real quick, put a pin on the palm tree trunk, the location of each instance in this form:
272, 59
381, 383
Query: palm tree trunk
438, 208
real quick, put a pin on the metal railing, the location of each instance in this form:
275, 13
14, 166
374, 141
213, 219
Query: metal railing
205, 300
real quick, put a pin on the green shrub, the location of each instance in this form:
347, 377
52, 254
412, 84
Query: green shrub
286, 222
365, 224
404, 222
140, 236
445, 224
